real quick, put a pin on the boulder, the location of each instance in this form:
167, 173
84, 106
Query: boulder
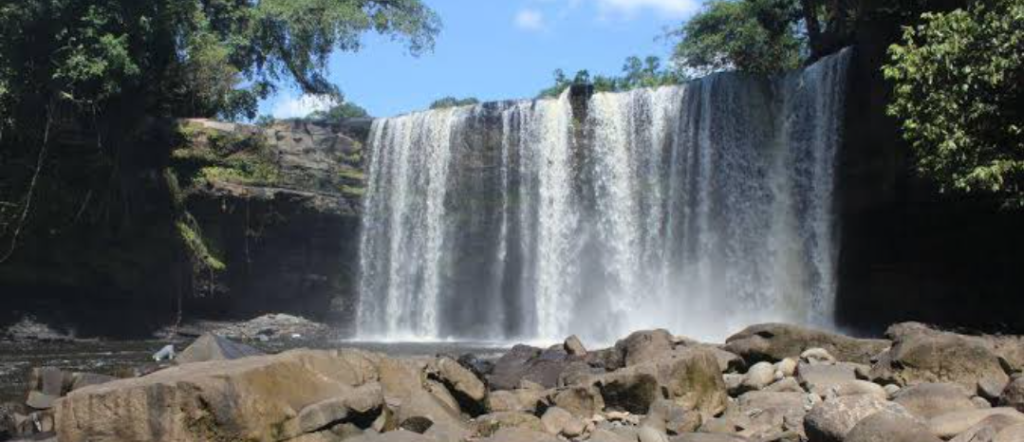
986, 430
787, 367
359, 403
707, 437
856, 387
690, 378
211, 347
650, 434
1014, 433
817, 356
831, 420
524, 363
250, 399
602, 435
775, 342
760, 414
582, 402
490, 424
574, 347
920, 357
672, 418
391, 436
759, 376
786, 385
1013, 394
950, 424
82, 380
517, 434
820, 378
441, 432
929, 400
889, 427
515, 400
463, 384
421, 410
644, 346
46, 385
555, 420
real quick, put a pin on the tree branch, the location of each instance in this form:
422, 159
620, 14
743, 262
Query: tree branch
27, 207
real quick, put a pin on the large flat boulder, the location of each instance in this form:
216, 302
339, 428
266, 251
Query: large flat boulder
775, 342
831, 420
924, 356
254, 399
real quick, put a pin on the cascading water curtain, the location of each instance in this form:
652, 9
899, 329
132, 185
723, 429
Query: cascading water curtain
700, 208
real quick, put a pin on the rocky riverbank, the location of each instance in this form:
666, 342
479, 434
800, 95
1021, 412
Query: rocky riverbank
767, 383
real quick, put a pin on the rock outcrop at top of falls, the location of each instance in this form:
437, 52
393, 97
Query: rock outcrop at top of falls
678, 392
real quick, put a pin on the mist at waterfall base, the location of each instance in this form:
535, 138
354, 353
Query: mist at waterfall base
699, 208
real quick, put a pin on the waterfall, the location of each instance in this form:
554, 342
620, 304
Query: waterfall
700, 208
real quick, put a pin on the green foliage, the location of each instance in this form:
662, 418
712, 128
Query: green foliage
748, 35
959, 93
448, 102
636, 73
338, 113
197, 246
210, 156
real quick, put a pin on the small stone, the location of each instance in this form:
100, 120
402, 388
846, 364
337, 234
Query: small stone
574, 347
759, 376
981, 402
817, 356
787, 367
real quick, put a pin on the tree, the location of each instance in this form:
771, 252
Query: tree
759, 36
958, 81
636, 73
448, 102
109, 69
343, 111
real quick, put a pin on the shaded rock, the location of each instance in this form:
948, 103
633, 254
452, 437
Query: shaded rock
991, 389
421, 409
463, 384
582, 402
1014, 433
929, 400
889, 427
574, 347
831, 420
503, 400
728, 362
517, 434
644, 346
577, 373
480, 367
252, 398
210, 347
490, 424
1013, 394
774, 342
987, 429
953, 423
920, 357
555, 420
690, 378
672, 418
524, 363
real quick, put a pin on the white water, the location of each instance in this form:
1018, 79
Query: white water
700, 208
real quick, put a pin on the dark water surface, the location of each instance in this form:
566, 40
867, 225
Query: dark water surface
120, 358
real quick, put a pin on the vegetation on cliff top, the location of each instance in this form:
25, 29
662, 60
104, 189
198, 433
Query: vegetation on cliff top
959, 93
84, 83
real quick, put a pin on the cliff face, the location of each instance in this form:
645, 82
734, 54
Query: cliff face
236, 221
284, 239
909, 252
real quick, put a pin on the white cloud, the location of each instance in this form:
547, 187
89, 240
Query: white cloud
530, 20
290, 106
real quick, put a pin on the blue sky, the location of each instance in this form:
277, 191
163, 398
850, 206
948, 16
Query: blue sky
496, 49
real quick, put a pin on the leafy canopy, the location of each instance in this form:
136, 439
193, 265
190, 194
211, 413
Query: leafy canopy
959, 93
448, 102
748, 35
636, 73
186, 57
